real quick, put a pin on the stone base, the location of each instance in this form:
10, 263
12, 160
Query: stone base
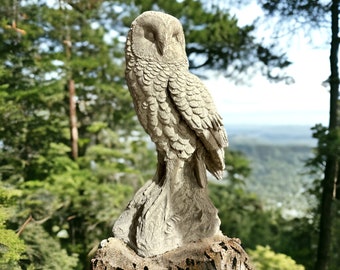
218, 252
163, 217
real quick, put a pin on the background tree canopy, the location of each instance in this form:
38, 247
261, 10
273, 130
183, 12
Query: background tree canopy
57, 205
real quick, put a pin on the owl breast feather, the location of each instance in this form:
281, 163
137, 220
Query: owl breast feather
179, 108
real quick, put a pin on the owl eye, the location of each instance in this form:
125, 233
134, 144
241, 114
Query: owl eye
150, 36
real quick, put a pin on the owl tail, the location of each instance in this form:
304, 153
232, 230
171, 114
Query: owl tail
200, 169
215, 163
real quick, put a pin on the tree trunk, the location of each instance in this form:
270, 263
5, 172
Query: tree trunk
72, 94
332, 162
73, 120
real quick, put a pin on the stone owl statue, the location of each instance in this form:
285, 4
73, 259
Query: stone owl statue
172, 104
178, 113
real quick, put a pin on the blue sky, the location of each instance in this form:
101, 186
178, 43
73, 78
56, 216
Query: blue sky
306, 102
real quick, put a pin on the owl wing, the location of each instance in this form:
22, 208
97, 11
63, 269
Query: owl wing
194, 103
197, 108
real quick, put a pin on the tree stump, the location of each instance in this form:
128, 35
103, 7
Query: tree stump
218, 252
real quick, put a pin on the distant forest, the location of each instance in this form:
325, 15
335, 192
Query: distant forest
278, 174
278, 156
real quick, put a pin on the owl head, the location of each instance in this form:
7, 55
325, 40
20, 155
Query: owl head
158, 36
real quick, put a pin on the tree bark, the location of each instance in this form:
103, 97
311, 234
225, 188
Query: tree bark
72, 94
215, 253
73, 120
332, 161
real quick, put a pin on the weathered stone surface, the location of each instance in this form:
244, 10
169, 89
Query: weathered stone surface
168, 216
177, 111
215, 253
164, 217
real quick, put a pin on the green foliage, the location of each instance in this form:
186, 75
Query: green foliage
11, 246
44, 252
240, 212
264, 258
328, 145
244, 215
237, 166
278, 173
73, 204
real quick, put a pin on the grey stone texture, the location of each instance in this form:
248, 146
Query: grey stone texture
177, 111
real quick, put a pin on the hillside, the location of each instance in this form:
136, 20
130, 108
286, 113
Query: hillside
277, 155
278, 135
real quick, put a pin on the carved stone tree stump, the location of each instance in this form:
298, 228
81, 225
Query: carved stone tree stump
171, 222
219, 252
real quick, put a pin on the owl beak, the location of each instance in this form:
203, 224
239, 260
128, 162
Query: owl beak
160, 47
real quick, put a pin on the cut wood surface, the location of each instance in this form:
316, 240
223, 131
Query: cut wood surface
218, 252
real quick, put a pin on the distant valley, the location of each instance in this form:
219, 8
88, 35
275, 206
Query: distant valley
271, 134
277, 156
